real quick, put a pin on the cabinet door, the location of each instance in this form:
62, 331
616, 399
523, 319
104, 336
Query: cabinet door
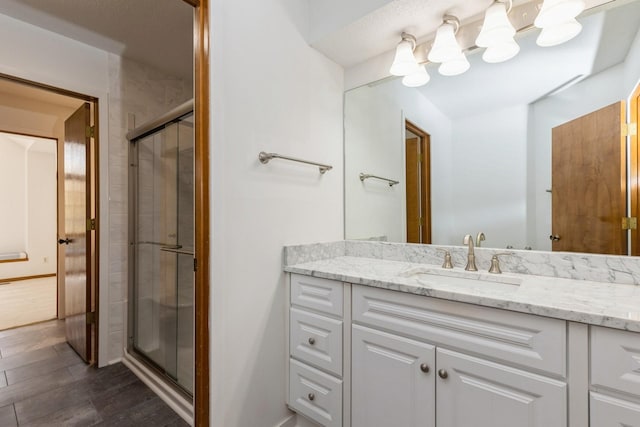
392, 380
479, 393
608, 411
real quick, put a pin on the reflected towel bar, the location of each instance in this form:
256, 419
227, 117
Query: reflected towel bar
265, 157
391, 182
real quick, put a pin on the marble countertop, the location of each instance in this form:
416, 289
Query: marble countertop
596, 303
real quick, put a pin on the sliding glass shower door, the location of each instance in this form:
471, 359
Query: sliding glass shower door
162, 250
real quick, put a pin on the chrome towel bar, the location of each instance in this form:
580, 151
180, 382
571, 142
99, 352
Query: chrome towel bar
391, 182
265, 157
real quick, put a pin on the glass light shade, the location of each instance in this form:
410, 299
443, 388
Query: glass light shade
496, 27
559, 33
418, 78
445, 47
404, 62
555, 12
501, 52
455, 66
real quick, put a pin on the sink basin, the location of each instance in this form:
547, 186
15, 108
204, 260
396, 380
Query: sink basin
439, 274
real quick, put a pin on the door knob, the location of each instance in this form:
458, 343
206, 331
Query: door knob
64, 241
554, 237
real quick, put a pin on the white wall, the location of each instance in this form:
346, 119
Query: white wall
375, 134
490, 198
271, 92
13, 192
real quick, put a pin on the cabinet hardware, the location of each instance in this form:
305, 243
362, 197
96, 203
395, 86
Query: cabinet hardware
443, 374
424, 368
311, 396
312, 341
554, 237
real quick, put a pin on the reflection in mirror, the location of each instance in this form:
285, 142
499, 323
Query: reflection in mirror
490, 149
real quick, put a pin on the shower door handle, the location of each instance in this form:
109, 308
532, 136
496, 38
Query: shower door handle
176, 250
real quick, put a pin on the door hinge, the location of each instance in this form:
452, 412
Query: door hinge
629, 223
91, 224
629, 129
91, 318
90, 131
421, 221
195, 264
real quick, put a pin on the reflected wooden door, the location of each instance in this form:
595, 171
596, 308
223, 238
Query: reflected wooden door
634, 103
77, 196
417, 174
589, 183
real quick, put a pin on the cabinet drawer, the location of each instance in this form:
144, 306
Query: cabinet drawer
317, 294
530, 341
315, 394
317, 340
606, 411
615, 359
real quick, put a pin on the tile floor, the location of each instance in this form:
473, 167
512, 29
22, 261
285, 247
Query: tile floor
43, 382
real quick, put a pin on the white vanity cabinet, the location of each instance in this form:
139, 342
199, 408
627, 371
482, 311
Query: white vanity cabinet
428, 362
615, 378
316, 334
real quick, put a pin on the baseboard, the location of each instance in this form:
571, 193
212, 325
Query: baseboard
177, 402
297, 421
289, 422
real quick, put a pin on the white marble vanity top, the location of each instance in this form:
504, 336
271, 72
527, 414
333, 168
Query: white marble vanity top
598, 303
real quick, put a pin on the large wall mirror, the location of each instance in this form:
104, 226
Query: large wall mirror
486, 151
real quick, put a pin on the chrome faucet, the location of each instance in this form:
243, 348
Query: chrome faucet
471, 257
479, 239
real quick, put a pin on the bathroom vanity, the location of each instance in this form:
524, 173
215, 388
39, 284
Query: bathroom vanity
393, 340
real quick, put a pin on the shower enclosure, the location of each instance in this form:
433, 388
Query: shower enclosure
161, 240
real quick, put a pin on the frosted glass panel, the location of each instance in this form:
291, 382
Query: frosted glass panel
163, 283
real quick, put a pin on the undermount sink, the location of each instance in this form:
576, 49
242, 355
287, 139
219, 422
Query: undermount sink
471, 277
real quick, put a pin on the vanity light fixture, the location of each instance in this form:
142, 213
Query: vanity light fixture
418, 78
557, 18
404, 63
497, 33
446, 50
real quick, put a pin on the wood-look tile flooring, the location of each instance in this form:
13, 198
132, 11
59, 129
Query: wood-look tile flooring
27, 301
43, 382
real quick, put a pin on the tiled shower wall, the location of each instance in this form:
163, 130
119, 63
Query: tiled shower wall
142, 93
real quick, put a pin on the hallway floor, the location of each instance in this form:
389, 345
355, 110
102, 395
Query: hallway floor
43, 382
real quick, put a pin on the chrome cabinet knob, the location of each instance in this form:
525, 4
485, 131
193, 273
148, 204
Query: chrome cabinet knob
424, 368
443, 374
312, 341
311, 396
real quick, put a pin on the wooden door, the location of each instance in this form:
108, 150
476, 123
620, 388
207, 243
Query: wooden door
634, 189
589, 183
393, 380
476, 392
418, 187
77, 243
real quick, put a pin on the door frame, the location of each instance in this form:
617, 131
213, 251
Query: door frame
93, 257
425, 177
634, 171
202, 236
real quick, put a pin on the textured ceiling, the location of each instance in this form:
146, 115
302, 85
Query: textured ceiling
155, 32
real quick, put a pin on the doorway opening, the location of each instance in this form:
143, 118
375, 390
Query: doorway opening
58, 227
28, 291
418, 178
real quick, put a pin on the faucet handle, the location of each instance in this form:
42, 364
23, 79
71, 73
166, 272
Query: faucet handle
447, 258
495, 262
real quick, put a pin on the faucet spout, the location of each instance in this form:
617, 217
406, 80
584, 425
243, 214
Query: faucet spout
471, 257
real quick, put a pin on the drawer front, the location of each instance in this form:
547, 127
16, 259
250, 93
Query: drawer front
526, 340
317, 294
315, 394
615, 359
317, 340
606, 411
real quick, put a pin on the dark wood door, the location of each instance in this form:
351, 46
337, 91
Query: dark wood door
634, 103
589, 183
77, 213
418, 185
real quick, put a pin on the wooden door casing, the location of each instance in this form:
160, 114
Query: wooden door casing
634, 173
589, 183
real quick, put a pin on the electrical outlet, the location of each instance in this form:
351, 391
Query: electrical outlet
45, 260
